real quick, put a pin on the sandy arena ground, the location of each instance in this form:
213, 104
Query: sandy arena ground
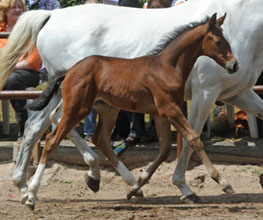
64, 195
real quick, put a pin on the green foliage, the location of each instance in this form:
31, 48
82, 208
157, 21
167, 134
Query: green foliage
142, 2
66, 181
67, 3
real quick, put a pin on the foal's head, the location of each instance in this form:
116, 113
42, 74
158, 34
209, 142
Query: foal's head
215, 45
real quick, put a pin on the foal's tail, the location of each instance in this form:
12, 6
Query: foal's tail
52, 87
22, 39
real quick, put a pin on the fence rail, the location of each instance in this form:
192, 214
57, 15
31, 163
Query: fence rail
19, 94
4, 35
258, 89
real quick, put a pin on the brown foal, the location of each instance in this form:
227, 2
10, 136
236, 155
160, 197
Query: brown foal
150, 84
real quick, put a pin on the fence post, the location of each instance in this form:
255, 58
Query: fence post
5, 110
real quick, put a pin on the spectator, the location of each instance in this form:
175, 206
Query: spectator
260, 121
42, 4
110, 2
26, 72
159, 3
177, 2
130, 3
137, 128
90, 123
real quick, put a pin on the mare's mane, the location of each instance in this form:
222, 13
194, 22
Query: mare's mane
176, 33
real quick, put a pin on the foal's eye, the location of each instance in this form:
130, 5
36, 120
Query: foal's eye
217, 42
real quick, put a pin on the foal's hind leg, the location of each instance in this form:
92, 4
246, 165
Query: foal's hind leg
163, 128
102, 137
92, 178
69, 119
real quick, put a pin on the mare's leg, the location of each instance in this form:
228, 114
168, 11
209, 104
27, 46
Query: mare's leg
92, 178
102, 137
35, 127
200, 107
163, 128
249, 102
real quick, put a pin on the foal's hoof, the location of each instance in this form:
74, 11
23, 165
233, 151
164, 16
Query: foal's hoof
131, 193
229, 190
190, 199
139, 194
93, 184
135, 192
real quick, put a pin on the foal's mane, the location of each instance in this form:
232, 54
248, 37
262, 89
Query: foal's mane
176, 33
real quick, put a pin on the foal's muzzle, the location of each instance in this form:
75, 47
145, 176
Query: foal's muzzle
232, 66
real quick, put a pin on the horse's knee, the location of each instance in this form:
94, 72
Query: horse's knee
91, 161
18, 177
197, 144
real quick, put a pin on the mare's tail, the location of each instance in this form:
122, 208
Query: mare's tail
22, 39
52, 87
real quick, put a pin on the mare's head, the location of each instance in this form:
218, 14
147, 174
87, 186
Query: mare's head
216, 46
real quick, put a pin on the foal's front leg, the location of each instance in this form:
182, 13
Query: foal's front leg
177, 118
163, 128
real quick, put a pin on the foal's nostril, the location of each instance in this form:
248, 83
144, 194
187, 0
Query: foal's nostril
235, 67
232, 66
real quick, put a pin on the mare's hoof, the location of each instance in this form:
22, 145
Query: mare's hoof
139, 194
30, 205
93, 184
190, 199
229, 190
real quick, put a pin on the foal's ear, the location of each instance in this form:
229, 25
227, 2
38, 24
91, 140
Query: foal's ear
212, 20
221, 20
